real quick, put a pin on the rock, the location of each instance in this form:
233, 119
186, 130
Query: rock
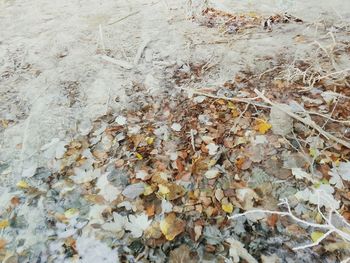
282, 123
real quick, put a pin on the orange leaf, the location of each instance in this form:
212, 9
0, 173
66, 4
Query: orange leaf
272, 220
2, 243
150, 210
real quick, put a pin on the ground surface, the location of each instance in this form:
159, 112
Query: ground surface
65, 64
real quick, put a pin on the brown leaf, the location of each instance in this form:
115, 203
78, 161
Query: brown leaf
171, 226
180, 166
181, 255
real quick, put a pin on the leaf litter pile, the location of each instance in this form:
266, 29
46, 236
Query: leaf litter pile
227, 175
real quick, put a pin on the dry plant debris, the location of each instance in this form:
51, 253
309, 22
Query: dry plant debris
238, 23
196, 176
172, 177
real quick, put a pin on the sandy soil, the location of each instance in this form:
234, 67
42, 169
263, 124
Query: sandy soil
54, 79
65, 63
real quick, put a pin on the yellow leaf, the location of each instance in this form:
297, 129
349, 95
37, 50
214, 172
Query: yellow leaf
211, 163
4, 223
22, 184
171, 226
263, 126
138, 156
316, 235
231, 106
163, 190
228, 208
149, 140
71, 212
313, 152
148, 190
318, 218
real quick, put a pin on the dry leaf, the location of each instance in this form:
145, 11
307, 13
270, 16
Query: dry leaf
272, 220
2, 243
228, 207
171, 226
316, 235
4, 223
22, 184
262, 126
181, 255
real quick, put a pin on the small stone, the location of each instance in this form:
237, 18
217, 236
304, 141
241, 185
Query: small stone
282, 123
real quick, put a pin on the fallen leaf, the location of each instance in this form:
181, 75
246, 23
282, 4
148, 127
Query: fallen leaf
176, 127
262, 126
149, 140
212, 148
197, 231
142, 174
71, 212
118, 224
3, 243
121, 120
228, 207
4, 223
316, 235
137, 224
272, 220
22, 184
171, 226
139, 156
212, 173
107, 190
300, 174
238, 251
150, 210
134, 190
181, 255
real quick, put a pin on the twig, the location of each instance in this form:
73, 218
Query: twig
140, 51
125, 17
269, 70
307, 121
235, 99
192, 140
121, 63
315, 243
327, 226
334, 73
237, 120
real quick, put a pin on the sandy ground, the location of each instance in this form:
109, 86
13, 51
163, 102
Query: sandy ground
54, 79
65, 63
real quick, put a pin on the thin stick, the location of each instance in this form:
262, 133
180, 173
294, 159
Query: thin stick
125, 17
235, 99
140, 51
192, 140
121, 63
